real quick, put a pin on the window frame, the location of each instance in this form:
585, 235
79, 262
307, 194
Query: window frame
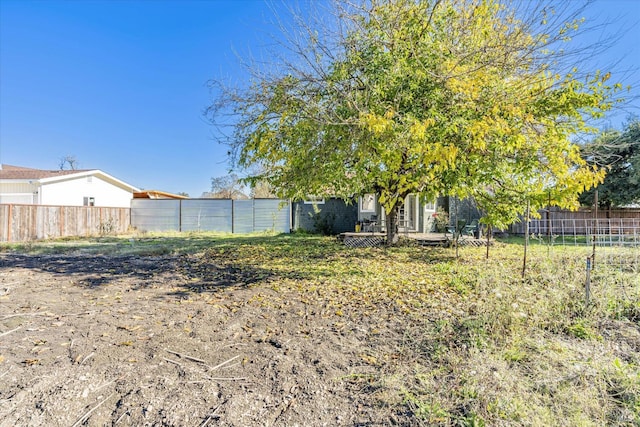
373, 202
314, 200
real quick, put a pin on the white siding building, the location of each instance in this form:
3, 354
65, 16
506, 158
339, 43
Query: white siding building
19, 185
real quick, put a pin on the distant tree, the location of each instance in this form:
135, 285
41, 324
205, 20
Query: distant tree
451, 97
68, 163
182, 193
226, 187
259, 185
619, 154
262, 190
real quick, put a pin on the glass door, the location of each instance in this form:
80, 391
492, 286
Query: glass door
408, 218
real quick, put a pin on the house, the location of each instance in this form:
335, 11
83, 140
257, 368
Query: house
324, 215
90, 187
416, 216
334, 216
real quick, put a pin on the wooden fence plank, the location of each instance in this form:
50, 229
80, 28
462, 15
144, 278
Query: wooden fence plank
31, 222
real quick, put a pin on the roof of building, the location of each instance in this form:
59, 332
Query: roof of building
157, 194
50, 176
19, 172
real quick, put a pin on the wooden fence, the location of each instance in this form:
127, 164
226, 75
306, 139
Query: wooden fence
20, 223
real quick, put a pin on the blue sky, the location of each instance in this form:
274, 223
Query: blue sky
121, 85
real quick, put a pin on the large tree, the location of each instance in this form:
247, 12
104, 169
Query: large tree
618, 153
460, 97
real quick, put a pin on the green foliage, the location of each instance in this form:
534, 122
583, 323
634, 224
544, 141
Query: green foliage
322, 221
441, 220
426, 410
580, 330
624, 385
619, 154
515, 353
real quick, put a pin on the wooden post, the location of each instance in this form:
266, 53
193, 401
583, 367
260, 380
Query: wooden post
61, 221
587, 285
595, 227
549, 219
33, 229
526, 239
9, 223
488, 239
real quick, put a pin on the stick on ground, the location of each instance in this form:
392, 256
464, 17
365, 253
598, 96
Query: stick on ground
8, 332
87, 358
185, 356
88, 413
174, 362
223, 363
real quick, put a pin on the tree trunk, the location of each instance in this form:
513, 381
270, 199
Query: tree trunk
391, 222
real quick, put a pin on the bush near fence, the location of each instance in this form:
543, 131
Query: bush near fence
20, 223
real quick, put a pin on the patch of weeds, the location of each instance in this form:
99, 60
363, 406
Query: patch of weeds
582, 330
505, 409
107, 227
631, 310
442, 267
619, 302
425, 409
432, 341
515, 353
153, 250
623, 385
471, 420
28, 246
472, 331
467, 402
460, 284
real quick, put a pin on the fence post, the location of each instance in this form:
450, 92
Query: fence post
587, 285
595, 211
526, 239
549, 233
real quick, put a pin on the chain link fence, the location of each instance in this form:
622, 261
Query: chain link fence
613, 241
610, 249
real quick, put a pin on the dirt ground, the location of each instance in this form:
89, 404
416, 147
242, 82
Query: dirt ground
162, 340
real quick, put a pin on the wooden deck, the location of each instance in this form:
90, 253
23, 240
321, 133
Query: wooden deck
364, 239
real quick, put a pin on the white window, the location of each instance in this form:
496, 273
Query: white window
89, 201
314, 200
430, 206
368, 203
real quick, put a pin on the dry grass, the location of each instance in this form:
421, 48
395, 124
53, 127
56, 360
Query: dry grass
474, 343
